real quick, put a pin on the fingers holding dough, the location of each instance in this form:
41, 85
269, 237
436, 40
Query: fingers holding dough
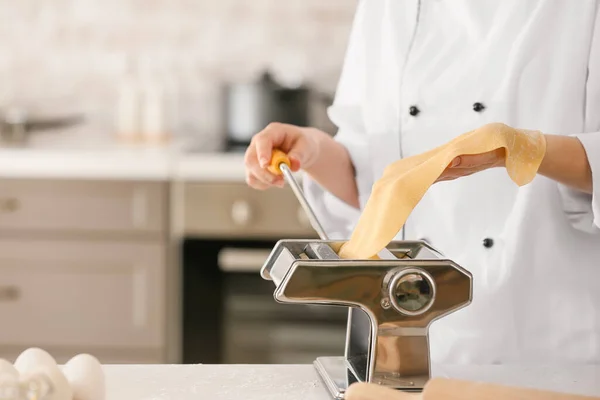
450, 175
481, 161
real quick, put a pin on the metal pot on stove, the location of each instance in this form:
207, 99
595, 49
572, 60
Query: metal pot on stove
250, 107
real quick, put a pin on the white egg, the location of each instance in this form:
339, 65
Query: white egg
84, 373
33, 358
9, 377
36, 361
6, 368
60, 387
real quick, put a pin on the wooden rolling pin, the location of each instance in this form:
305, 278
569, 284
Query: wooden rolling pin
453, 389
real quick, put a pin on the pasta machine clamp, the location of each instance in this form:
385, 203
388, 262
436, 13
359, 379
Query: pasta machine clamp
392, 302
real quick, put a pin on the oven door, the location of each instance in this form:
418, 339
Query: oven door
258, 330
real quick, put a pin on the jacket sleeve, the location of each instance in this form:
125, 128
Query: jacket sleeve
583, 209
337, 217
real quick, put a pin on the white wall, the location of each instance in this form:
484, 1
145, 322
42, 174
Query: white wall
70, 54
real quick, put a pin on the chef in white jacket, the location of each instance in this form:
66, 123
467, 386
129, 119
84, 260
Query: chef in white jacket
416, 75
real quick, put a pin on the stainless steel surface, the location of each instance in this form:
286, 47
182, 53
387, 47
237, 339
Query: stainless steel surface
250, 106
384, 345
412, 291
335, 374
289, 177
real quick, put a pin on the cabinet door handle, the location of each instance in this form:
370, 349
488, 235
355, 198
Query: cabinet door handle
9, 293
9, 205
242, 260
241, 213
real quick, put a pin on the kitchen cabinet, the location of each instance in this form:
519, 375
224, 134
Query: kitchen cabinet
234, 210
106, 207
83, 268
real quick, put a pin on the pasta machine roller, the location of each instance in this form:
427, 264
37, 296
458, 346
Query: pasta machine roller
392, 301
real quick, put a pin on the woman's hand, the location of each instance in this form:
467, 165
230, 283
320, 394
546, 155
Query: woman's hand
470, 164
325, 160
300, 144
565, 161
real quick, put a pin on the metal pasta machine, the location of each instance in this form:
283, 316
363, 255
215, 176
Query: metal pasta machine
392, 302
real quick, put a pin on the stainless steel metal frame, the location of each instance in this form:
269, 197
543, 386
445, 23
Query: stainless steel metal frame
393, 300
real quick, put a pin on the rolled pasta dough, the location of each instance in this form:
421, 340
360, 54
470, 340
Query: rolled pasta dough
405, 182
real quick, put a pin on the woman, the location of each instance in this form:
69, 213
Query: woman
416, 75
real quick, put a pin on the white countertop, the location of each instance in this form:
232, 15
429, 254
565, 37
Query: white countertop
86, 164
276, 382
209, 166
83, 154
120, 162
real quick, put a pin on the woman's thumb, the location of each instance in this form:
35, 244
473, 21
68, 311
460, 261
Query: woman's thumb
297, 156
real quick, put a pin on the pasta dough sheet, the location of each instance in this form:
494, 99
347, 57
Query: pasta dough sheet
405, 182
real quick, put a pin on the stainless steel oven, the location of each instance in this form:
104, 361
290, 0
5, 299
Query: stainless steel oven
230, 315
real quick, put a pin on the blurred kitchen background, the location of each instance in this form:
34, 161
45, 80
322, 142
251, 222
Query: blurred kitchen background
126, 228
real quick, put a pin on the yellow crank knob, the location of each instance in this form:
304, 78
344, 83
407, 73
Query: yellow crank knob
277, 158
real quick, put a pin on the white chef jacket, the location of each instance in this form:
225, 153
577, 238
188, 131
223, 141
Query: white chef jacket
419, 73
